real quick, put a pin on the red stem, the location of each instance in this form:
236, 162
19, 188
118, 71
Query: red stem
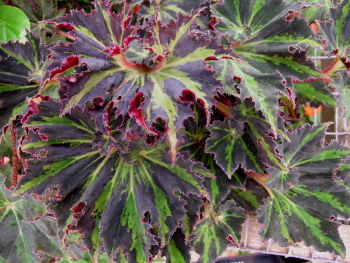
15, 158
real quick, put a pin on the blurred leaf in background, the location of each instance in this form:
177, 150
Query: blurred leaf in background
13, 23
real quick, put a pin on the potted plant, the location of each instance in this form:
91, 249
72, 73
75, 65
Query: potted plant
155, 127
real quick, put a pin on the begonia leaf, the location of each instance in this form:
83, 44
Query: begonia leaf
335, 32
250, 24
262, 45
216, 231
25, 231
344, 170
250, 197
303, 213
227, 144
160, 87
219, 187
216, 181
112, 191
314, 91
243, 141
315, 10
292, 213
225, 136
21, 72
245, 81
342, 85
178, 250
306, 154
192, 207
167, 10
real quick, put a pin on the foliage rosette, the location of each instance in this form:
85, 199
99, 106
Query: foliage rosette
157, 126
111, 191
269, 49
159, 85
302, 204
307, 154
297, 195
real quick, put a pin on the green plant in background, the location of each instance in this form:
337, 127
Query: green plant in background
152, 128
13, 24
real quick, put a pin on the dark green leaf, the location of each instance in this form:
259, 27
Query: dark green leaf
215, 231
167, 10
303, 214
259, 130
306, 154
229, 148
335, 32
195, 135
178, 250
314, 91
344, 170
250, 197
192, 207
245, 80
243, 142
219, 187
